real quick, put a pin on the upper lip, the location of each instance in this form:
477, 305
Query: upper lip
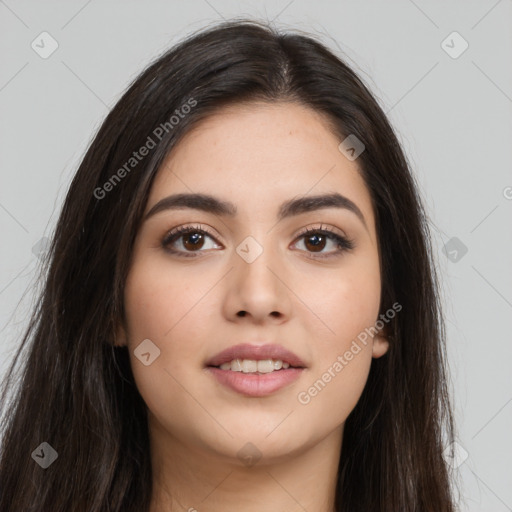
256, 352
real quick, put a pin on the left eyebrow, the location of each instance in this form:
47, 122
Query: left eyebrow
292, 207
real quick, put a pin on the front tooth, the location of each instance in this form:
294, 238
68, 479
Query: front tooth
253, 366
249, 366
236, 365
265, 366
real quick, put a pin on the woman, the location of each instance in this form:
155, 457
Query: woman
240, 308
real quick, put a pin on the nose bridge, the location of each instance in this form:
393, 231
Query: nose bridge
256, 258
258, 282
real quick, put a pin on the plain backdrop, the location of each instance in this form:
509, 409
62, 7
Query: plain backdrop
449, 96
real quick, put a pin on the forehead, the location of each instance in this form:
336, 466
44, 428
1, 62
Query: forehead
259, 155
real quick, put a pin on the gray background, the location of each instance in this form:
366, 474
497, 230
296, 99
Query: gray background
453, 116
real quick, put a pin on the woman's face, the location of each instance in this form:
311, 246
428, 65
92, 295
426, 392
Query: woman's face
253, 277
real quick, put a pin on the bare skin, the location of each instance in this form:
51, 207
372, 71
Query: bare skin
256, 157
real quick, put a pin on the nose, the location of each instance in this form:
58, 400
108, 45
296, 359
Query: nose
257, 290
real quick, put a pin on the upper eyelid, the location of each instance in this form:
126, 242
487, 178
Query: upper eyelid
181, 230
330, 229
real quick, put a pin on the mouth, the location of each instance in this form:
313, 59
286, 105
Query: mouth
250, 358
255, 371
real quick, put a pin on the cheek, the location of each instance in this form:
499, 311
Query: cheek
160, 301
348, 307
172, 309
334, 390
167, 308
346, 301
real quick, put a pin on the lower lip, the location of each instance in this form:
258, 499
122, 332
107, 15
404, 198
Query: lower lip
256, 385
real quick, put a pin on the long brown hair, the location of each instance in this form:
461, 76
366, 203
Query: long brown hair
75, 389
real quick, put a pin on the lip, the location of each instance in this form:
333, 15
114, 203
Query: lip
258, 353
256, 384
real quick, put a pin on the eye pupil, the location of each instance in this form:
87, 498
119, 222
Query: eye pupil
319, 242
196, 243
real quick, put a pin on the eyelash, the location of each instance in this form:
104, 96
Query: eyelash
175, 234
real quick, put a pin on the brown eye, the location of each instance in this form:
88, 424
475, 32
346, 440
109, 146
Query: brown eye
186, 240
315, 242
193, 241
